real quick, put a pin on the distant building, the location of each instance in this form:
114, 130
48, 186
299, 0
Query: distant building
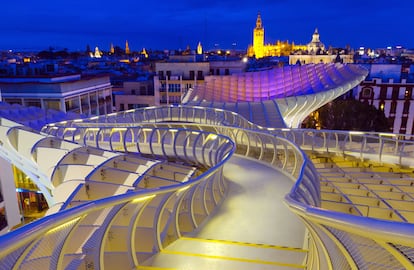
184, 72
96, 54
227, 67
174, 79
316, 52
259, 49
136, 94
389, 87
90, 95
315, 46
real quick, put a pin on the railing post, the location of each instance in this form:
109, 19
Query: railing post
363, 143
381, 146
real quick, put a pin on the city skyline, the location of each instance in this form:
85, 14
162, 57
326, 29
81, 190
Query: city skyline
28, 25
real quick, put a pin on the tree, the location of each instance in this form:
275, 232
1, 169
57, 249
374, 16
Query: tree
350, 115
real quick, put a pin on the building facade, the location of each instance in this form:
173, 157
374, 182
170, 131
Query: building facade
91, 95
174, 79
136, 94
390, 90
227, 67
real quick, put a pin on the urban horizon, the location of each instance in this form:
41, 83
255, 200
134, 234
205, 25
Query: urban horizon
106, 47
29, 26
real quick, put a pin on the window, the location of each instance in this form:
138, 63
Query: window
142, 90
192, 74
406, 108
174, 88
393, 107
122, 107
200, 75
163, 87
366, 92
391, 120
404, 122
403, 127
383, 92
161, 75
217, 71
55, 103
133, 92
13, 100
187, 86
72, 104
226, 71
33, 103
395, 93
137, 106
168, 74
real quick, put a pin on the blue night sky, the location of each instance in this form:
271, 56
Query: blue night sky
165, 24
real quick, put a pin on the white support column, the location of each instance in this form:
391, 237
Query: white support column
89, 104
167, 90
42, 104
9, 193
80, 104
63, 105
181, 88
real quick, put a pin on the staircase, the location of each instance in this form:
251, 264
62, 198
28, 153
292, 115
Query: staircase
366, 188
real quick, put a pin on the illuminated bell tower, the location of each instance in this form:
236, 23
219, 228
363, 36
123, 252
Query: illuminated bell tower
199, 48
258, 38
127, 47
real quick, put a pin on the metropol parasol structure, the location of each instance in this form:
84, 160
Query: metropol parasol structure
122, 188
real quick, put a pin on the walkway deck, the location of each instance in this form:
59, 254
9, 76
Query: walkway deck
252, 229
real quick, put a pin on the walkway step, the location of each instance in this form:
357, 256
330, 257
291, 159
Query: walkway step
186, 253
154, 268
243, 244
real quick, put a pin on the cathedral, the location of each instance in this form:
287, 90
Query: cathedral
259, 49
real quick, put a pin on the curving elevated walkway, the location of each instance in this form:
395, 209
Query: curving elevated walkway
271, 238
187, 222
